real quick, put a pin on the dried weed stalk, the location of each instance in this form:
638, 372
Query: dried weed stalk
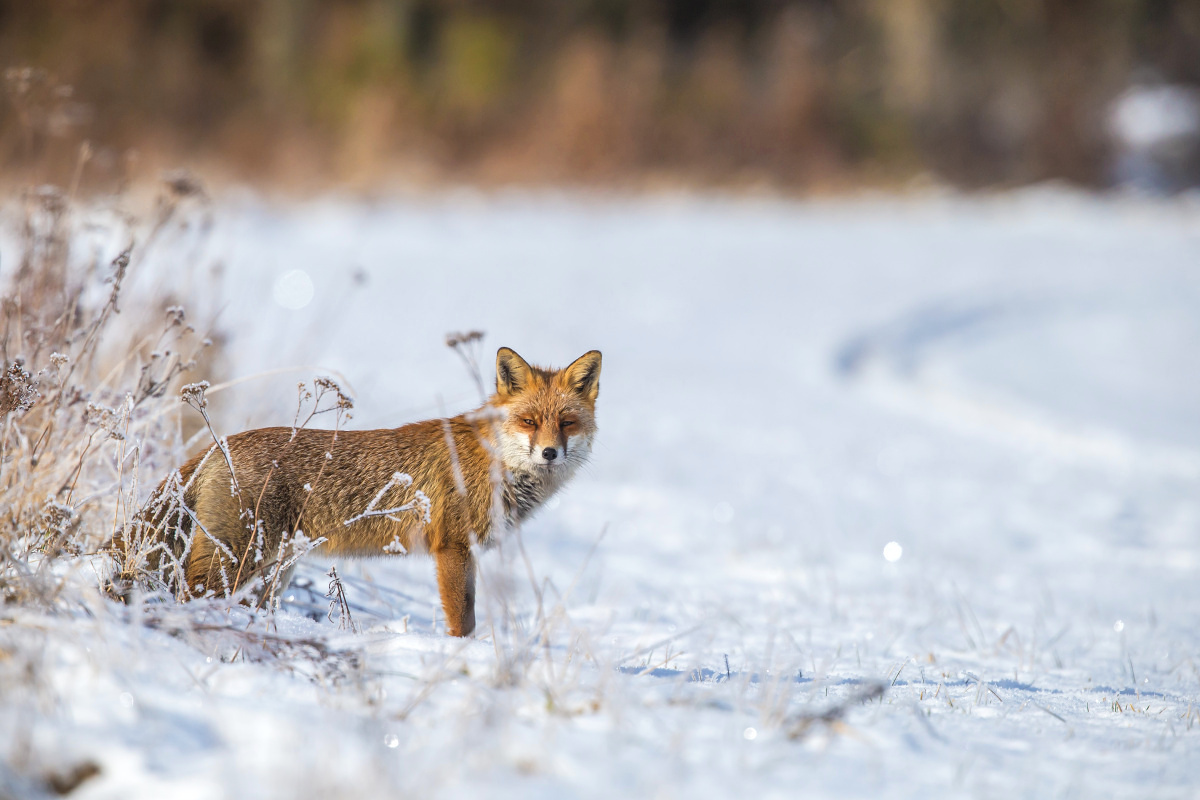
83, 403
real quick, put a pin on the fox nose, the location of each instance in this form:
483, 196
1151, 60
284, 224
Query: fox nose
549, 453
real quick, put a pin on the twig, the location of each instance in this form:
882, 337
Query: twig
338, 594
799, 725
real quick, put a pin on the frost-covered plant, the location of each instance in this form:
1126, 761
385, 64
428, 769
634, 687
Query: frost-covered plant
83, 403
156, 543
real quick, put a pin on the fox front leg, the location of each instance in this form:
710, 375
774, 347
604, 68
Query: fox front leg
456, 583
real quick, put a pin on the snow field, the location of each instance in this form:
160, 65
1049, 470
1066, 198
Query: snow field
1004, 387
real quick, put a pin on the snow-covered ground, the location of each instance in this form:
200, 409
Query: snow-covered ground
1008, 388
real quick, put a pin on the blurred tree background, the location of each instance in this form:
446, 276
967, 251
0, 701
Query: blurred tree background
803, 94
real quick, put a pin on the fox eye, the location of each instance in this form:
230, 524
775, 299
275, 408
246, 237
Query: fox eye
528, 422
566, 423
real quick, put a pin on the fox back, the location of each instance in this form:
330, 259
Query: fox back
240, 515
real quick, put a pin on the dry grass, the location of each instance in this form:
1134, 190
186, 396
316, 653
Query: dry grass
86, 394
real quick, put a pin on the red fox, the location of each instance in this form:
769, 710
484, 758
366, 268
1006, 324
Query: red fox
440, 485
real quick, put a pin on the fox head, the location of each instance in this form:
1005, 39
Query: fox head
549, 415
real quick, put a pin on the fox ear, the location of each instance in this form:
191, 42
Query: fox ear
512, 372
584, 374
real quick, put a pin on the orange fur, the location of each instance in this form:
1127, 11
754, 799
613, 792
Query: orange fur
480, 471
